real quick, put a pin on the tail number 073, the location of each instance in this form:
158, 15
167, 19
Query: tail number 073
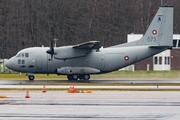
151, 39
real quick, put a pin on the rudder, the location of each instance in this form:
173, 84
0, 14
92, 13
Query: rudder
160, 31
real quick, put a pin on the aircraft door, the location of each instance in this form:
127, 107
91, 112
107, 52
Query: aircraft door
38, 63
30, 64
101, 61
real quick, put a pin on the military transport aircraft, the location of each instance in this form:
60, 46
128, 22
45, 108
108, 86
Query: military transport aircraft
82, 60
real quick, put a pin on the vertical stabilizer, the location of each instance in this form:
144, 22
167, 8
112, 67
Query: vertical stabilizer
160, 31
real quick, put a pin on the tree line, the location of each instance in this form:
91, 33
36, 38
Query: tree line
28, 23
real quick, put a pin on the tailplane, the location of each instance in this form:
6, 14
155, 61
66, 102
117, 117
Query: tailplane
160, 31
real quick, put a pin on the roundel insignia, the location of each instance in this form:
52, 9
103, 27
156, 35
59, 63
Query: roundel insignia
154, 32
126, 58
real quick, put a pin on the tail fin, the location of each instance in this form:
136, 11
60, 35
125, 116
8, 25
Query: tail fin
160, 31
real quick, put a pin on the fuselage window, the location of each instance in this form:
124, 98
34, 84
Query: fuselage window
19, 61
26, 54
22, 54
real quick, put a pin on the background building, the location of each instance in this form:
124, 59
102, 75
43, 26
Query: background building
167, 60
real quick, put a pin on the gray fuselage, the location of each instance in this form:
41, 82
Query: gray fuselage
36, 60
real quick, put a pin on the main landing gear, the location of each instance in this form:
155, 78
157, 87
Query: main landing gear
75, 77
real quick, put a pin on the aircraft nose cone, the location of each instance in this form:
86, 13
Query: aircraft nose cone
9, 64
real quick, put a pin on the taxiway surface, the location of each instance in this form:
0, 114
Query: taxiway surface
17, 82
55, 87
100, 105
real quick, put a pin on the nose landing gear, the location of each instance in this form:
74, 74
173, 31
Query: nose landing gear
30, 76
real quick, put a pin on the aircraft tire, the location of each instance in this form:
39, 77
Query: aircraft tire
74, 77
31, 78
69, 77
86, 77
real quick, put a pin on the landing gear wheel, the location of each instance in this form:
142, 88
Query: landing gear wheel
69, 77
86, 77
31, 78
74, 77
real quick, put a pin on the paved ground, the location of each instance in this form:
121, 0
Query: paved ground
100, 105
155, 87
17, 82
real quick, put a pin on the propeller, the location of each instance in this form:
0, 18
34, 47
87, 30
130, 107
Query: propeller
51, 50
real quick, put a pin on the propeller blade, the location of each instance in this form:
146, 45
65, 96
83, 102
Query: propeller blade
52, 47
51, 50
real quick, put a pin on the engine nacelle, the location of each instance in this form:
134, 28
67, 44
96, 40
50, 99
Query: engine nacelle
64, 53
77, 70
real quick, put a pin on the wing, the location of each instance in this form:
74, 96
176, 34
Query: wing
88, 45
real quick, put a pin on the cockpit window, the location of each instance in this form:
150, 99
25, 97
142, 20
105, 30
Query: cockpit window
18, 55
26, 54
22, 55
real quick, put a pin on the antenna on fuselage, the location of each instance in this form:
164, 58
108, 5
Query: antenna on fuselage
55, 40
